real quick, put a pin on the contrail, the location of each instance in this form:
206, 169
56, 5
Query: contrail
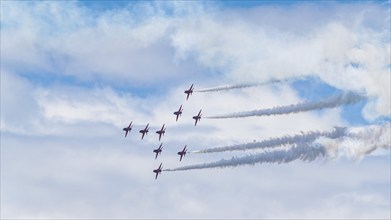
334, 101
275, 142
237, 86
302, 152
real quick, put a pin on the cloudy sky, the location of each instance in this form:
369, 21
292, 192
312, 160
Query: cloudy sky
74, 73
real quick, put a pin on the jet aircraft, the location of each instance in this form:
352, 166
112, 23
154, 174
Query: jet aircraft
182, 153
158, 150
189, 91
161, 132
127, 129
158, 170
197, 117
178, 113
144, 131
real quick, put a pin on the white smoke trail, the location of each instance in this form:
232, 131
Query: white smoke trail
302, 152
357, 143
275, 142
334, 101
237, 86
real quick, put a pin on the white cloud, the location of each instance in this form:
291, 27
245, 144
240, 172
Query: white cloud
19, 109
113, 179
63, 151
349, 50
251, 51
110, 45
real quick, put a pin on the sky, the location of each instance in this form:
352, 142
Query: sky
75, 73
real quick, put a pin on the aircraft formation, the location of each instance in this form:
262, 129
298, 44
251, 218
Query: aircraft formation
162, 131
299, 147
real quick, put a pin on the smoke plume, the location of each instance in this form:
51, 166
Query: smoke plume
356, 143
359, 141
275, 142
237, 86
334, 101
302, 152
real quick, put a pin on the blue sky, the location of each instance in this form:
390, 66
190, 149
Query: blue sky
74, 73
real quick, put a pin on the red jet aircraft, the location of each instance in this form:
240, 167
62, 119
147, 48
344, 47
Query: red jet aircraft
189, 91
127, 129
182, 153
158, 170
197, 117
178, 113
158, 150
161, 132
144, 131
